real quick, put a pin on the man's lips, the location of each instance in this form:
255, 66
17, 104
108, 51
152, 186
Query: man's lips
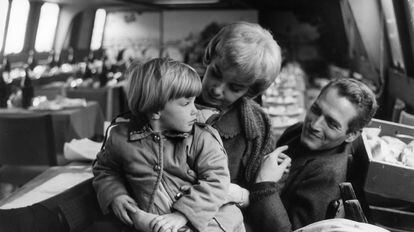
310, 133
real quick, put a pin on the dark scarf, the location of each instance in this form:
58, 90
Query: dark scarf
255, 125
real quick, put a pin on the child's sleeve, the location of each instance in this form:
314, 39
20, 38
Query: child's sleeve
108, 179
204, 198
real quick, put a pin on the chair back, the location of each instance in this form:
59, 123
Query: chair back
27, 139
406, 118
357, 172
399, 106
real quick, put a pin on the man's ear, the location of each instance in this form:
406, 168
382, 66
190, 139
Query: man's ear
155, 116
350, 137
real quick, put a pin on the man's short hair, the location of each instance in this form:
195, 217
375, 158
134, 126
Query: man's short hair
360, 95
251, 50
154, 83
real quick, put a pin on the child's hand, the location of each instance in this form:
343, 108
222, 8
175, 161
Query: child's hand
273, 166
121, 205
171, 222
238, 195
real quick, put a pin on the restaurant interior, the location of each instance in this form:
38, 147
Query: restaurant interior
62, 80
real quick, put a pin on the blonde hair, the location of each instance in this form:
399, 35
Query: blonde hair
251, 50
154, 83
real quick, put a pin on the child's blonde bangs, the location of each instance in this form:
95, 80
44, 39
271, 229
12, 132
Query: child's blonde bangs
184, 82
153, 84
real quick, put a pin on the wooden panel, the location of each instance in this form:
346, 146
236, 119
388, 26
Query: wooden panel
400, 86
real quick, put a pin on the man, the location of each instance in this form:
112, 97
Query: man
319, 149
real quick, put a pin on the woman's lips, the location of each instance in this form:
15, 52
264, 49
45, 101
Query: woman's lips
211, 100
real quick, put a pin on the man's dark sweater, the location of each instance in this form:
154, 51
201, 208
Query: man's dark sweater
305, 194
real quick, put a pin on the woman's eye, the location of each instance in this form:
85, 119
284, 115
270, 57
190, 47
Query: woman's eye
215, 74
237, 88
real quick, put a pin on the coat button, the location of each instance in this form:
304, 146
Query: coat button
157, 138
190, 172
178, 195
157, 168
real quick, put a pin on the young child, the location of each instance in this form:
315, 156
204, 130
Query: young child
174, 168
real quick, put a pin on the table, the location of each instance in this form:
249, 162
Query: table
111, 99
46, 79
49, 183
71, 123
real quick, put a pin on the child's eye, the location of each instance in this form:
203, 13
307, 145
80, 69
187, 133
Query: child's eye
187, 101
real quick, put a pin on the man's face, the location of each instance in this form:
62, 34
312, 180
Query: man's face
222, 85
326, 122
178, 115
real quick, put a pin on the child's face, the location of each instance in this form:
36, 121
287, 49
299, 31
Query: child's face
222, 85
178, 115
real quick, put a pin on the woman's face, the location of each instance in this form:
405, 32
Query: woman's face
222, 85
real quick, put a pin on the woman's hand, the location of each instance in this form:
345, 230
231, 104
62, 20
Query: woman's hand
274, 165
238, 195
123, 204
171, 222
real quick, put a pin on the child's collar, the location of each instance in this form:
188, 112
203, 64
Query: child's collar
146, 130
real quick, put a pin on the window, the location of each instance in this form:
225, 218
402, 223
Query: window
45, 35
409, 6
4, 6
98, 28
392, 32
18, 21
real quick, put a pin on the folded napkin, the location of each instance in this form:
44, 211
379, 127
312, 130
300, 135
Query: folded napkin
81, 149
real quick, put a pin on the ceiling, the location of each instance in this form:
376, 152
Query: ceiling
191, 4
186, 4
159, 4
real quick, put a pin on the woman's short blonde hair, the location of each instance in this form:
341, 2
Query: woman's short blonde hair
251, 50
154, 83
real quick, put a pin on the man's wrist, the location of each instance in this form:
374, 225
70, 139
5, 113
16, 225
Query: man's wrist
263, 189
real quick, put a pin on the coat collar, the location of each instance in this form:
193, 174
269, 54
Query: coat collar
241, 117
139, 128
226, 123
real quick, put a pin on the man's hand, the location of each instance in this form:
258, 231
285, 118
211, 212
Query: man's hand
123, 204
274, 165
171, 222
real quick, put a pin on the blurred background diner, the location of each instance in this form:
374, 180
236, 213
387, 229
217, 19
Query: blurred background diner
62, 82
